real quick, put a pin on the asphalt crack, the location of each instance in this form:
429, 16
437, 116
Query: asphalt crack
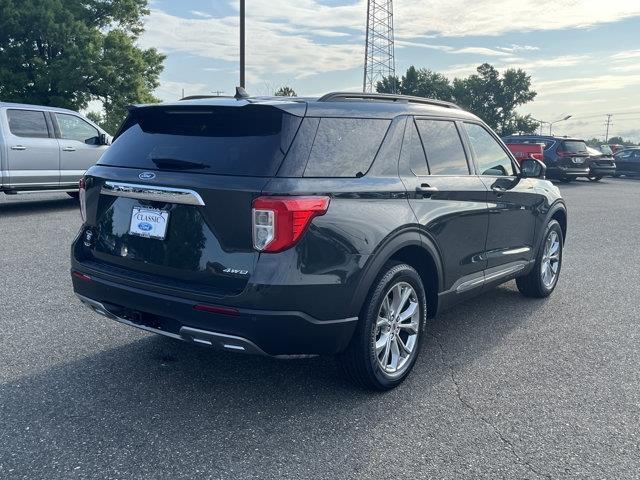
510, 445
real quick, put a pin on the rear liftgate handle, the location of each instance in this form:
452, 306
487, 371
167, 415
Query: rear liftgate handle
426, 190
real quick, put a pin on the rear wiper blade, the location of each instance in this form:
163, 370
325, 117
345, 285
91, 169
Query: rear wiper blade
176, 163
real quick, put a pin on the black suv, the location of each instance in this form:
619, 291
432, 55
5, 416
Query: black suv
566, 158
310, 226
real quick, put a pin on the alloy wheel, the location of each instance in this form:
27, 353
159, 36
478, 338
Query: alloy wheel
397, 329
551, 259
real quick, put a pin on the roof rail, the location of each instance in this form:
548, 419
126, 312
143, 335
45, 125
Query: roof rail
338, 96
200, 97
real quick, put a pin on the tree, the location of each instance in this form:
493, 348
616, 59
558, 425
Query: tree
68, 53
494, 98
389, 84
620, 141
286, 91
487, 94
420, 83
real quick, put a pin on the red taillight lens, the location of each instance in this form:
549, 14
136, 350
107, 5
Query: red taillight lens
279, 222
82, 196
563, 154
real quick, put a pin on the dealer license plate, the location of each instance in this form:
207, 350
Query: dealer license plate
149, 222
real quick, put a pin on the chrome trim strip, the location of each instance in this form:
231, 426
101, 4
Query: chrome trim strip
515, 251
219, 341
101, 310
480, 281
152, 193
470, 284
503, 273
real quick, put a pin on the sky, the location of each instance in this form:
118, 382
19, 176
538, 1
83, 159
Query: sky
583, 55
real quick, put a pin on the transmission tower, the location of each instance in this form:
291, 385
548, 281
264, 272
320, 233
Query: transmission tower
379, 61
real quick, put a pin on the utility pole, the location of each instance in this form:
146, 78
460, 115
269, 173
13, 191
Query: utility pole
242, 45
606, 138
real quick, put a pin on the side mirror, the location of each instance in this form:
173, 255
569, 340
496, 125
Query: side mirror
532, 168
103, 139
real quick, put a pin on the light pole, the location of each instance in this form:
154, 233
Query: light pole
541, 122
561, 120
242, 36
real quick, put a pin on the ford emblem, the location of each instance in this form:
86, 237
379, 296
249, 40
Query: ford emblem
147, 176
145, 227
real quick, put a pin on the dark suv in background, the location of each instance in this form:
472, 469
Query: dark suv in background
566, 158
310, 226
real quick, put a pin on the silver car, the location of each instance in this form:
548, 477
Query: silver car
46, 148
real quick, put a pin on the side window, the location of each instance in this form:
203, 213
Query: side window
28, 123
442, 144
74, 128
345, 147
491, 158
412, 150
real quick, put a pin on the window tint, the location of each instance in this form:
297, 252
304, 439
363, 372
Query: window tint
491, 158
27, 123
74, 128
345, 147
442, 144
572, 146
247, 141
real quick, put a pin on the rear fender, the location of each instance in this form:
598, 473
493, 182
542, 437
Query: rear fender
384, 252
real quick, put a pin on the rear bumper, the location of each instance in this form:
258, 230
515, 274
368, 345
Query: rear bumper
273, 333
563, 171
603, 170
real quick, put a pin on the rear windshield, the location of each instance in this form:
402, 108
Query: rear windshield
574, 146
247, 141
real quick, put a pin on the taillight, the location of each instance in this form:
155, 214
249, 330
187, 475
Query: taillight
82, 196
563, 154
279, 222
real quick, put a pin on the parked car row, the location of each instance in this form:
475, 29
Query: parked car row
570, 158
45, 148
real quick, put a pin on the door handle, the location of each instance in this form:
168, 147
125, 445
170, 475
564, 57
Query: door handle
426, 190
18, 147
68, 149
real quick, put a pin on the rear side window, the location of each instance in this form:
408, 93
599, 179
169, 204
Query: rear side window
250, 140
74, 128
491, 157
442, 144
345, 147
27, 123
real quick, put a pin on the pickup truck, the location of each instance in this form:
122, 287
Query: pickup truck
46, 148
523, 151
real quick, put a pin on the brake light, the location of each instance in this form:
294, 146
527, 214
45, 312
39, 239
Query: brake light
82, 196
563, 154
279, 222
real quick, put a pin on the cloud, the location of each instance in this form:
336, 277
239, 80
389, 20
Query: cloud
465, 17
272, 48
481, 51
198, 13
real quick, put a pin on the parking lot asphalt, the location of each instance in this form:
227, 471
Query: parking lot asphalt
506, 387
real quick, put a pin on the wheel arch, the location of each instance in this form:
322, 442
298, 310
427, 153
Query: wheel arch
410, 247
558, 212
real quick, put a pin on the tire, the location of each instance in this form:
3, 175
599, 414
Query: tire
536, 283
595, 178
75, 195
362, 361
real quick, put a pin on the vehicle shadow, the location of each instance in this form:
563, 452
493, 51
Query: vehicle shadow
28, 206
155, 387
